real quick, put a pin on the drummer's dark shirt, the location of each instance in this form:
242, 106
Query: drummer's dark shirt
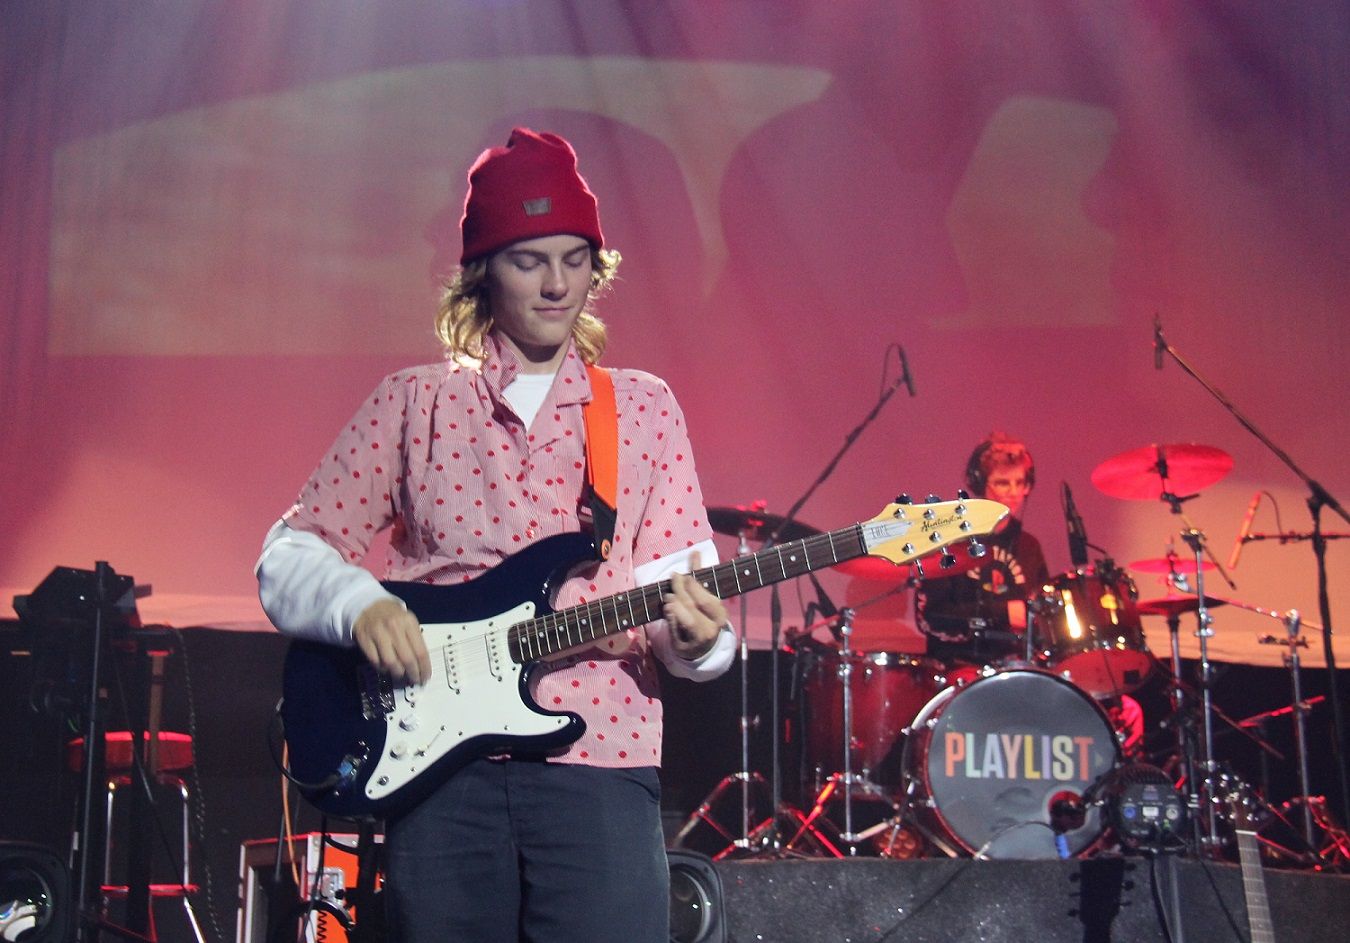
965, 615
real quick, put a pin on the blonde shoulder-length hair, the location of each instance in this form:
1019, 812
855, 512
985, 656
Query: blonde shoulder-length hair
464, 317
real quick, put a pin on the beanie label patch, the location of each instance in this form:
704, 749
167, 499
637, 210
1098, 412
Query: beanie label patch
541, 206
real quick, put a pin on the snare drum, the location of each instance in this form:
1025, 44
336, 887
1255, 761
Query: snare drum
1000, 766
887, 691
1089, 631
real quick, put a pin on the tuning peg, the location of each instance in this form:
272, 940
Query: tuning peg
962, 495
976, 548
931, 499
918, 570
904, 499
947, 560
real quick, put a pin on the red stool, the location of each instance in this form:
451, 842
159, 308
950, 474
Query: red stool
173, 755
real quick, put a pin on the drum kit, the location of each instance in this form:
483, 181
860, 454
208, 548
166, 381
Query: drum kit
907, 755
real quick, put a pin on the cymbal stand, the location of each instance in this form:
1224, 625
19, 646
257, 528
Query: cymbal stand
1206, 793
1178, 693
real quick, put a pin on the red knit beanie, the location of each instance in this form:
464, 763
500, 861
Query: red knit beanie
527, 189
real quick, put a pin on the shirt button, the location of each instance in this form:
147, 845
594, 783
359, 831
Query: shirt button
529, 532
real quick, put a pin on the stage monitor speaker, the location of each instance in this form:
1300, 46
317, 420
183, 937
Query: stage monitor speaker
35, 899
697, 913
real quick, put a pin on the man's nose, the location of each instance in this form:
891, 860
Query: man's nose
555, 284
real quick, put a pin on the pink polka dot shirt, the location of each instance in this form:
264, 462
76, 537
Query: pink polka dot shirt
437, 454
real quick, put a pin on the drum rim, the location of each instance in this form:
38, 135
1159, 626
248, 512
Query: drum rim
920, 726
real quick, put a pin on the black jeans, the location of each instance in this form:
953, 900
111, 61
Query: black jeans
516, 850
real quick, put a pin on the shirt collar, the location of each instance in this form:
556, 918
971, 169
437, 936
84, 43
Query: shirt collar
501, 365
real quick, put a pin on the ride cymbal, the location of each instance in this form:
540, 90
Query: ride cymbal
1145, 474
1175, 605
1171, 564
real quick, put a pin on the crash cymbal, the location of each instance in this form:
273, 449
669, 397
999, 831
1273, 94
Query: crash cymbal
881, 570
1175, 605
756, 524
1169, 565
1144, 474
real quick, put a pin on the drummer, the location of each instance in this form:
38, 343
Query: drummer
979, 617
977, 620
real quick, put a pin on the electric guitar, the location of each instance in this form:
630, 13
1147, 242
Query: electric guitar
360, 744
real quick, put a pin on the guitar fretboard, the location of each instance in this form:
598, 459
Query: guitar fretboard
586, 623
1254, 887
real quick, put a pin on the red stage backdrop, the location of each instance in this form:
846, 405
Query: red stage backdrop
221, 221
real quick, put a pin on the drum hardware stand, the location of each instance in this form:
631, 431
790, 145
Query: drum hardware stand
847, 777
772, 841
1318, 498
1293, 641
1178, 698
1203, 789
744, 777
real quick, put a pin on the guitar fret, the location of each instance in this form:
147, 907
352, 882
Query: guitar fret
585, 623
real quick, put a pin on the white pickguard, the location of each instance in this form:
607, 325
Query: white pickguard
474, 690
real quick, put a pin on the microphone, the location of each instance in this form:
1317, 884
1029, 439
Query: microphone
1244, 530
1078, 542
1159, 345
904, 367
826, 607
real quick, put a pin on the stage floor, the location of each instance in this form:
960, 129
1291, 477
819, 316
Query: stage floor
1132, 899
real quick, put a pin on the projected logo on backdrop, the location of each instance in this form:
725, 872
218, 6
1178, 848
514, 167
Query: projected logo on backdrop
291, 222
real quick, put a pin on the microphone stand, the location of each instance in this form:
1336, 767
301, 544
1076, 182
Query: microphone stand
775, 608
1318, 498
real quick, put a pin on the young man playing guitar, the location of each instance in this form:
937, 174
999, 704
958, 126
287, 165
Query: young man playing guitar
467, 462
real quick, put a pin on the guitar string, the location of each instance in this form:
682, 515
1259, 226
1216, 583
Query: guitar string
544, 634
471, 659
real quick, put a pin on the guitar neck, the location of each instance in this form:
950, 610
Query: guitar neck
581, 625
1254, 887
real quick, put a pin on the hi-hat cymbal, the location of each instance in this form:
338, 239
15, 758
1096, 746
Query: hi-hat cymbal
1169, 565
756, 524
1145, 474
881, 570
1175, 605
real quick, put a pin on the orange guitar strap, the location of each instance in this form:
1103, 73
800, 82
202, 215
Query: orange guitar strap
601, 418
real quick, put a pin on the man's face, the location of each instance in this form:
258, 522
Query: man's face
537, 289
1008, 486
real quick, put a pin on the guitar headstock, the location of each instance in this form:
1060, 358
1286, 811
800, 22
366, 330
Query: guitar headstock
905, 531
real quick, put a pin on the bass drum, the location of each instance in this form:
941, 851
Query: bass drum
1000, 766
1089, 626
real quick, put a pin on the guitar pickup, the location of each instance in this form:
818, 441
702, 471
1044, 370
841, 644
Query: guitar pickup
492, 644
451, 668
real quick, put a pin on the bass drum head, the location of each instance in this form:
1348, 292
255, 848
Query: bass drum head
1004, 762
